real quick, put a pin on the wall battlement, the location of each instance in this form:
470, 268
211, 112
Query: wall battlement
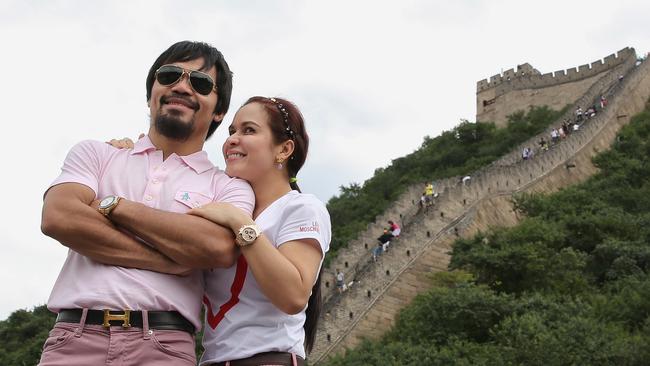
527, 77
525, 87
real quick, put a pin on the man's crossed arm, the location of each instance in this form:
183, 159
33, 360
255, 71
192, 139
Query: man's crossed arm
177, 242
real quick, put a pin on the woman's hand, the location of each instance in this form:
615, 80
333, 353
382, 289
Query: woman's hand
223, 214
125, 143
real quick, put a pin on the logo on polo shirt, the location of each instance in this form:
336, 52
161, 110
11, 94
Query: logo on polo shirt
192, 199
314, 227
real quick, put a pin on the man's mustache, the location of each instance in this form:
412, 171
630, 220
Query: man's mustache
179, 98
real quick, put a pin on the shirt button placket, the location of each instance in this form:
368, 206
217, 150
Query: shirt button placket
152, 192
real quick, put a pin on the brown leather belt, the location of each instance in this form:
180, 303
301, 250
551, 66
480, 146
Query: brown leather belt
160, 320
266, 359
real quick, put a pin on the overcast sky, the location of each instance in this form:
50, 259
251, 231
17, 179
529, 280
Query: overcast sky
371, 77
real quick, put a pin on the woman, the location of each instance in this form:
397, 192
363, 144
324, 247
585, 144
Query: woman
264, 310
257, 311
394, 228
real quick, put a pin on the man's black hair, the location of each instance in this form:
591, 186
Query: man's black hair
189, 51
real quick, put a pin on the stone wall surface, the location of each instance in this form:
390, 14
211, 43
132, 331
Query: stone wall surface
513, 91
381, 289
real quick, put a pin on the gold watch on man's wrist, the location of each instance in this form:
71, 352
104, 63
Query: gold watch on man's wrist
247, 235
107, 204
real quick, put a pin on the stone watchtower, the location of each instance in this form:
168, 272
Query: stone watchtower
512, 91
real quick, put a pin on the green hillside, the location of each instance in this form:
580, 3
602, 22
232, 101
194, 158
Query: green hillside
570, 285
466, 148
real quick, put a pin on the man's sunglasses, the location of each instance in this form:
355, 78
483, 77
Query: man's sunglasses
201, 82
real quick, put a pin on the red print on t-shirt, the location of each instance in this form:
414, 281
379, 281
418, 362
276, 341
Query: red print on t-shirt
314, 227
235, 290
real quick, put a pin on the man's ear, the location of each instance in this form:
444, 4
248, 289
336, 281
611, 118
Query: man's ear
218, 117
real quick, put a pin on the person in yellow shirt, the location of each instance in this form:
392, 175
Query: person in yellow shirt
428, 194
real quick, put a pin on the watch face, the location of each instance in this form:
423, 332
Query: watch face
248, 234
106, 201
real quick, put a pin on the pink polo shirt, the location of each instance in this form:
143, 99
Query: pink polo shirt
141, 175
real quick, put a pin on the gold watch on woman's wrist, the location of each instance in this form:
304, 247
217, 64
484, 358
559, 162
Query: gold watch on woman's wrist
247, 235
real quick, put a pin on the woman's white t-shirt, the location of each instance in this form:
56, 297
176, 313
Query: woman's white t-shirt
240, 320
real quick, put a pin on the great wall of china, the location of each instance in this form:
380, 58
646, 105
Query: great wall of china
381, 289
518, 90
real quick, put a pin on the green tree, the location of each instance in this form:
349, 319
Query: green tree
23, 334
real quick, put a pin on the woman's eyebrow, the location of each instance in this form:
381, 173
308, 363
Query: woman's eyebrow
246, 123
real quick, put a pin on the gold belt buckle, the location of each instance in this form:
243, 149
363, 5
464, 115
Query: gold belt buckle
125, 318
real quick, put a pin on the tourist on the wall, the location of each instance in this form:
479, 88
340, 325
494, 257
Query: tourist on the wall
376, 251
543, 144
565, 127
384, 239
428, 193
579, 114
555, 136
340, 280
394, 228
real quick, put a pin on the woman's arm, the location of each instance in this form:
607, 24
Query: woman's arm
287, 274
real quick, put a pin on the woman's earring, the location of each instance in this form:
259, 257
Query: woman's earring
279, 165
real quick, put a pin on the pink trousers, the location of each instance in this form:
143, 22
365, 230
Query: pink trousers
71, 344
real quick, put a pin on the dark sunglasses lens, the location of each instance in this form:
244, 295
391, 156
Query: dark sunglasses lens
201, 83
168, 75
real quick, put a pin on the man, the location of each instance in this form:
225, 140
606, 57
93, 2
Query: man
376, 252
428, 192
127, 293
340, 280
385, 239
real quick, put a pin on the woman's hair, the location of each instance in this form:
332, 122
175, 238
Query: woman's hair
286, 123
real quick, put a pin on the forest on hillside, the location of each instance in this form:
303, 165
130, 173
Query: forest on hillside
569, 285
464, 149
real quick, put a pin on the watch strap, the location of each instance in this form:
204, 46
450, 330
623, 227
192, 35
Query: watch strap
106, 211
247, 235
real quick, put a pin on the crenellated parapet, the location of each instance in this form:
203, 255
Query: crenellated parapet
523, 87
527, 77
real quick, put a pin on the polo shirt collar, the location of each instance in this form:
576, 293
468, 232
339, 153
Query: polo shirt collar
142, 145
198, 161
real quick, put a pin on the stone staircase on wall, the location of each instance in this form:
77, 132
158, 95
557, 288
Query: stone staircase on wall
382, 288
603, 87
350, 260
